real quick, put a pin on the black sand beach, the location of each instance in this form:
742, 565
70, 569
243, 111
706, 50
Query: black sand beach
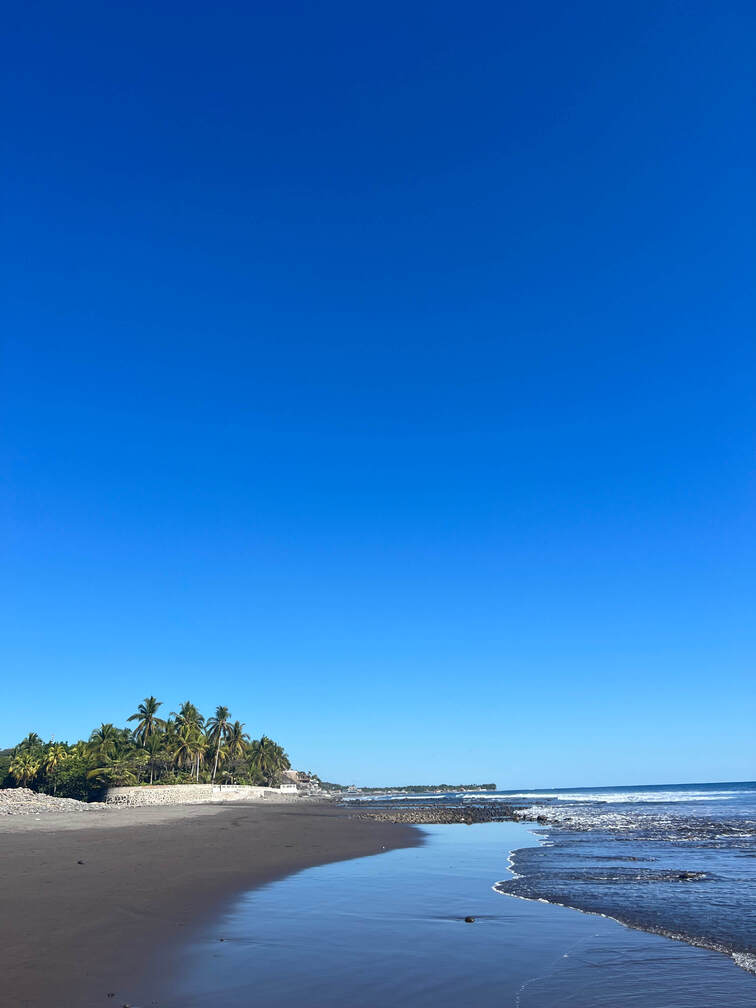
87, 906
425, 928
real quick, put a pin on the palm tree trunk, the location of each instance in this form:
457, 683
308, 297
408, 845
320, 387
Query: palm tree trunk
217, 753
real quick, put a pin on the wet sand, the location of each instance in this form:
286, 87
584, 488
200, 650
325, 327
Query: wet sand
390, 932
90, 902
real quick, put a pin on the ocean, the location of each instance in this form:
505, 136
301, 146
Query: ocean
670, 862
679, 861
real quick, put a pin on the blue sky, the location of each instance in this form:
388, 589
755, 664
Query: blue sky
385, 374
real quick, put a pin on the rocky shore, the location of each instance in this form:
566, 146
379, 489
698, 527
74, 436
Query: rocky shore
22, 801
421, 815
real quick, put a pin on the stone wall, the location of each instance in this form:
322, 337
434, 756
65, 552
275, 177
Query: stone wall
193, 794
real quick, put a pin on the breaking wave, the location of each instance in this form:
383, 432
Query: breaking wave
687, 871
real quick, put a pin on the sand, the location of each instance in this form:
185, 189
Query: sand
90, 905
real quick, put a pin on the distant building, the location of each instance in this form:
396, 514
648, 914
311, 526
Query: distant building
299, 781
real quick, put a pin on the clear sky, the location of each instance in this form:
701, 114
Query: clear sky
385, 373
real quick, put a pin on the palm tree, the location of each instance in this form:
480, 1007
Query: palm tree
218, 726
189, 716
104, 740
120, 770
53, 758
25, 767
149, 723
190, 746
183, 753
236, 740
269, 758
32, 741
235, 749
156, 753
217, 748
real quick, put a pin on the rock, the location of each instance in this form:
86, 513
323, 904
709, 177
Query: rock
23, 801
469, 920
441, 814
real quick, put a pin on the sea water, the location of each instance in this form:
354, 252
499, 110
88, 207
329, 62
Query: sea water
675, 860
391, 930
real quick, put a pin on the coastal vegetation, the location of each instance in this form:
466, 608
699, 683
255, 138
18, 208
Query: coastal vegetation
184, 747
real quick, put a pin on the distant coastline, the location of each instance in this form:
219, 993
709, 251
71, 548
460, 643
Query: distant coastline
410, 788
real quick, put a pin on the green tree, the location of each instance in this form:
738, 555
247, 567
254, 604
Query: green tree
119, 771
70, 777
54, 756
6, 778
190, 747
182, 747
25, 767
103, 742
149, 723
269, 758
234, 750
30, 743
189, 717
157, 757
237, 740
217, 728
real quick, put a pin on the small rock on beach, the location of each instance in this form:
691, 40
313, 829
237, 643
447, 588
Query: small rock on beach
23, 801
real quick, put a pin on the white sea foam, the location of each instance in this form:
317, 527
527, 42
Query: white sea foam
392, 796
572, 817
486, 796
626, 797
746, 960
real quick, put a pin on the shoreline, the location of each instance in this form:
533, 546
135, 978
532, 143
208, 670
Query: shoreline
426, 927
744, 959
91, 905
500, 812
